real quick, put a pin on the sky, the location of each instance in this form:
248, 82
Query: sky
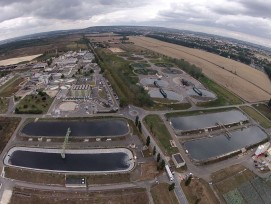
248, 20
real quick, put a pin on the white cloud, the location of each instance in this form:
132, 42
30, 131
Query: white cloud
233, 18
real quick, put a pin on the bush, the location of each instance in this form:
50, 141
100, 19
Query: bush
171, 187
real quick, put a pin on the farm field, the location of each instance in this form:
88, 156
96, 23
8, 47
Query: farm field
264, 109
18, 59
236, 184
120, 196
161, 195
250, 84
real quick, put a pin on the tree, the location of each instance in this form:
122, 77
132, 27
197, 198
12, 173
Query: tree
62, 76
154, 150
151, 127
171, 187
158, 157
162, 164
188, 180
269, 104
148, 141
136, 120
139, 127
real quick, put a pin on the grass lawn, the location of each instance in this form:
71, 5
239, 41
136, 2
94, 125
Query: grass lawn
34, 104
174, 106
59, 178
118, 196
160, 132
199, 191
4, 105
102, 94
106, 178
225, 97
145, 71
161, 194
11, 87
140, 65
197, 112
265, 123
162, 64
264, 109
34, 176
7, 127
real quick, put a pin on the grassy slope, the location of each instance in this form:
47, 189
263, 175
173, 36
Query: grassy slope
159, 130
264, 109
265, 123
161, 195
225, 97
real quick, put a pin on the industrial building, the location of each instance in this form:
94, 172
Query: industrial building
178, 160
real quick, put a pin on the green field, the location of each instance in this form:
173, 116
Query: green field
11, 87
265, 123
197, 112
264, 109
158, 129
224, 97
3, 105
34, 104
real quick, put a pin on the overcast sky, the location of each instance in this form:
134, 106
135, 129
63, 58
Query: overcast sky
249, 20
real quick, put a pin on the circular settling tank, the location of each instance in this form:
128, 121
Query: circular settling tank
150, 82
205, 93
171, 95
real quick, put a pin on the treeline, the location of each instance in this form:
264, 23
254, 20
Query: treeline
191, 69
31, 111
241, 56
267, 69
123, 80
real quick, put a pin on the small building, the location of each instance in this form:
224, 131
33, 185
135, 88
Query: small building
79, 182
40, 66
178, 160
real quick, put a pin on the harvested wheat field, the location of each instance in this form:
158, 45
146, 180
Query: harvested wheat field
250, 84
115, 49
18, 59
